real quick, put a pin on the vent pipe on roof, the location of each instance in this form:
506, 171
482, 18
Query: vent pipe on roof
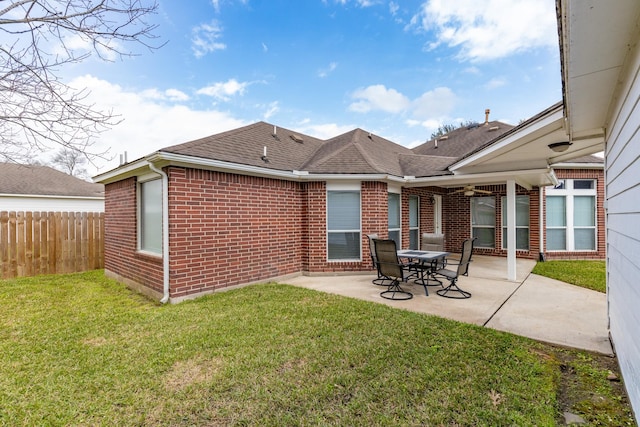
486, 116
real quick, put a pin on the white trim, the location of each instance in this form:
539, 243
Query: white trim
49, 196
344, 186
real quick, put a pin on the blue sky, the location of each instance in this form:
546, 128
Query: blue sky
395, 68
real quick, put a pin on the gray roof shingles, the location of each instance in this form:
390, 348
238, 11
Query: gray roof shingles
44, 181
354, 152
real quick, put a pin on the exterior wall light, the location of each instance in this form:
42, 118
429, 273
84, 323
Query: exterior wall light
560, 147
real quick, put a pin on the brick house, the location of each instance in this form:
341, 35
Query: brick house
261, 203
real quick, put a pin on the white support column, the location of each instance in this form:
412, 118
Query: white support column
511, 229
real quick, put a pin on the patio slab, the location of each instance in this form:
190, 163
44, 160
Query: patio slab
532, 306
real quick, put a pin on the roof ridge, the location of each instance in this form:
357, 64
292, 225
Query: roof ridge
365, 153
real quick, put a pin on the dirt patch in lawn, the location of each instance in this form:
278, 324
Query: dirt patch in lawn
590, 386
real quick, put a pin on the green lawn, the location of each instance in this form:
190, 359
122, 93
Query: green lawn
588, 274
83, 350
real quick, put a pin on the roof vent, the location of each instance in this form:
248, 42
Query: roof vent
296, 138
443, 138
492, 128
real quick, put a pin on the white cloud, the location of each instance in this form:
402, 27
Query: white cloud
490, 29
393, 8
378, 97
272, 109
435, 103
326, 71
80, 45
148, 125
324, 131
173, 95
495, 83
265, 48
224, 90
204, 39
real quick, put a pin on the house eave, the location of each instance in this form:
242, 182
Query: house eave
51, 196
161, 159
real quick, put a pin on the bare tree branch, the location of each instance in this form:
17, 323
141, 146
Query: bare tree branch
39, 37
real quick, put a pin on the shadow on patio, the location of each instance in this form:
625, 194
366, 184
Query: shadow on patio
533, 306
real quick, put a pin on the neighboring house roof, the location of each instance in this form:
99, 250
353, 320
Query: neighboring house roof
463, 140
39, 180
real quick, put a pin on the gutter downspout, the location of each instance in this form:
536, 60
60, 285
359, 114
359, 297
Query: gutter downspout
165, 231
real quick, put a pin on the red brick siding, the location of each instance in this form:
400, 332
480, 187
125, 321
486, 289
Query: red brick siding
120, 246
600, 252
457, 210
227, 229
375, 209
425, 211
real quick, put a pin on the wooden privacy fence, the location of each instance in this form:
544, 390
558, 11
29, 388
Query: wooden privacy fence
34, 243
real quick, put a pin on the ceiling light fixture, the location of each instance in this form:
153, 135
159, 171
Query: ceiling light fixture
560, 147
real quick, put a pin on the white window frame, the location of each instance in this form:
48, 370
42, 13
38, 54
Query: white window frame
569, 193
344, 187
141, 247
503, 206
414, 228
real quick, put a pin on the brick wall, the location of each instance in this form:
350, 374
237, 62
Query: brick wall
120, 247
457, 211
228, 229
425, 211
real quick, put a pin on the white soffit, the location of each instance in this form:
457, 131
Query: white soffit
594, 40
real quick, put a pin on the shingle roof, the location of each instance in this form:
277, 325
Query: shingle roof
587, 159
463, 140
354, 152
286, 149
357, 151
44, 181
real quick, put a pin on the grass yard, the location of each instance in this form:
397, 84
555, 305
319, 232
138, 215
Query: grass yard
588, 274
81, 349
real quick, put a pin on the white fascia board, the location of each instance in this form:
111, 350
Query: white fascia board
569, 165
141, 166
549, 119
458, 180
128, 170
50, 196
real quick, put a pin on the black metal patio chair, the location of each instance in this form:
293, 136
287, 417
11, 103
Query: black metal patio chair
453, 290
390, 267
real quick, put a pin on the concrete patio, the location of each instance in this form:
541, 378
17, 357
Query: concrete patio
533, 306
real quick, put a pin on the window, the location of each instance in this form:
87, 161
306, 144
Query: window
483, 221
556, 223
522, 223
343, 225
571, 216
394, 218
414, 222
150, 214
